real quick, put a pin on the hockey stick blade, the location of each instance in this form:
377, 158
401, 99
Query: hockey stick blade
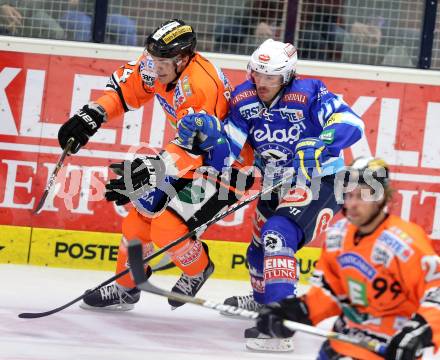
137, 270
193, 232
53, 176
79, 298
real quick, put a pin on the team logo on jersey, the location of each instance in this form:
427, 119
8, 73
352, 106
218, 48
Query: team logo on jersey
399, 232
226, 84
295, 97
335, 235
322, 92
192, 255
333, 240
250, 111
264, 57
243, 96
357, 291
355, 261
146, 69
327, 136
283, 135
401, 249
381, 255
266, 114
148, 202
186, 86
292, 115
193, 194
336, 118
280, 269
167, 107
179, 98
273, 241
275, 155
297, 197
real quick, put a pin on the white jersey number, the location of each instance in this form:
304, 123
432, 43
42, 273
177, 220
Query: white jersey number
431, 264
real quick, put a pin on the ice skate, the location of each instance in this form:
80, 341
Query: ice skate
243, 302
257, 341
112, 297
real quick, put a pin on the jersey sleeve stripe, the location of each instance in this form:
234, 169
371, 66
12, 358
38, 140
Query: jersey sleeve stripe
352, 119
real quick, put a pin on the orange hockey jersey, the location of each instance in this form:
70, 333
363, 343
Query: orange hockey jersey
200, 87
376, 283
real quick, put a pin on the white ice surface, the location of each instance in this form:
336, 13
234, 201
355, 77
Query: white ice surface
150, 331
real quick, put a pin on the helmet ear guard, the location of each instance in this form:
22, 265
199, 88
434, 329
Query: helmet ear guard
171, 39
274, 58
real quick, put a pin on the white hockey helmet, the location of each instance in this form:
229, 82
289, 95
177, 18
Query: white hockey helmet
274, 58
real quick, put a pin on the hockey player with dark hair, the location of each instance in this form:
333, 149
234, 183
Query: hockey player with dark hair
160, 187
291, 124
377, 273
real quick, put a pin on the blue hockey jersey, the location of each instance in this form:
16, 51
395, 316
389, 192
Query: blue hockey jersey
304, 108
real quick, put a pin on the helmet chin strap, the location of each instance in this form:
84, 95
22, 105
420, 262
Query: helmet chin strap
177, 64
173, 82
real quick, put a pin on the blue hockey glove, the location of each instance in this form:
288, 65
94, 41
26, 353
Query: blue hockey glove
201, 129
310, 153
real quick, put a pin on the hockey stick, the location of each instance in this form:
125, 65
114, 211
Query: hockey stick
198, 229
164, 264
53, 176
137, 270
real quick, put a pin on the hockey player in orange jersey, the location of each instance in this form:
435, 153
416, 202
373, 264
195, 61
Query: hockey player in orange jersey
183, 82
377, 273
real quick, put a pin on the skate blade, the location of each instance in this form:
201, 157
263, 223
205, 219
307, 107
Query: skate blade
270, 345
230, 316
110, 308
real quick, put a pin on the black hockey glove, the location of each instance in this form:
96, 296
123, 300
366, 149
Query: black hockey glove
408, 343
135, 179
81, 126
271, 317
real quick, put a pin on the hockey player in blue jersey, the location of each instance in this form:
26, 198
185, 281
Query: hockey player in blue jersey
290, 123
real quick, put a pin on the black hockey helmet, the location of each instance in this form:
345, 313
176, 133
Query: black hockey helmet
170, 39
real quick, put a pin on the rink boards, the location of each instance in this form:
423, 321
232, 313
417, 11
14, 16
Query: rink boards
43, 82
98, 251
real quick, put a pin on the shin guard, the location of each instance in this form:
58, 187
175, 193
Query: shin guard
189, 255
134, 226
281, 237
